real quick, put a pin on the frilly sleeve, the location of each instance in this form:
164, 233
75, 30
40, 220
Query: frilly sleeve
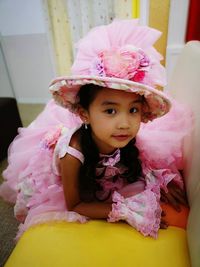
157, 179
141, 211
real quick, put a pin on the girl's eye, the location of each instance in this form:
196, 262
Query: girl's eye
133, 110
110, 111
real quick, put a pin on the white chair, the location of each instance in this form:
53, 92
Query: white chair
185, 87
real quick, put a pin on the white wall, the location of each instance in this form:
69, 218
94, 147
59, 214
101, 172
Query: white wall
176, 32
21, 17
26, 50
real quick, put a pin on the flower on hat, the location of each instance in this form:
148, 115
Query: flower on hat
127, 62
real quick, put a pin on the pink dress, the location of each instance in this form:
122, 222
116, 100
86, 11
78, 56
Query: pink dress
33, 182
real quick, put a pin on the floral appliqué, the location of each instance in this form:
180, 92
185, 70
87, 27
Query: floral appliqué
51, 137
128, 62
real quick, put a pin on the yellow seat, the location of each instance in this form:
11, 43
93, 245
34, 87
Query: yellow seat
98, 243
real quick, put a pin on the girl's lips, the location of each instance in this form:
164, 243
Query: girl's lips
121, 137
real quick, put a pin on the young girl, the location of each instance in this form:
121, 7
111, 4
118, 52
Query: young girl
82, 161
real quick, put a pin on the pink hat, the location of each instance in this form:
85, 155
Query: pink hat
119, 56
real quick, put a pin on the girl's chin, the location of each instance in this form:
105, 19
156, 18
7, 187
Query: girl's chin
112, 149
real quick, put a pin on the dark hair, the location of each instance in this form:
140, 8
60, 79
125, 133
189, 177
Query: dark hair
88, 185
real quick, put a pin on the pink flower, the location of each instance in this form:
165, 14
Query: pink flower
128, 62
120, 65
97, 68
144, 62
51, 137
64, 93
68, 94
139, 76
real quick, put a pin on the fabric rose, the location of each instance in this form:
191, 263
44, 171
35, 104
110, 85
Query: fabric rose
127, 62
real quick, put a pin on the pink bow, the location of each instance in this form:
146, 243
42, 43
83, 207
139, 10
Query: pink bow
110, 160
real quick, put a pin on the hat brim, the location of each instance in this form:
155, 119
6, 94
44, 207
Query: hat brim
64, 90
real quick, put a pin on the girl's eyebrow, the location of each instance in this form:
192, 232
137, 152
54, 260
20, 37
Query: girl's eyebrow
106, 103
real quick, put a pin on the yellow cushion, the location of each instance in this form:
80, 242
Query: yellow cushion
98, 243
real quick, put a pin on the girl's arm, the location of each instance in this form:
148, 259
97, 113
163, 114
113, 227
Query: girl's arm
70, 168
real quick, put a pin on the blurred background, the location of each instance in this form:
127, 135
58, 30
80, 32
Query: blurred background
37, 37
37, 43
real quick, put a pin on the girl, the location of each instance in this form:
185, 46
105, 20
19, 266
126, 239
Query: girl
83, 162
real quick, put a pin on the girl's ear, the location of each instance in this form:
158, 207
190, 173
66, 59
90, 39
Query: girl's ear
83, 114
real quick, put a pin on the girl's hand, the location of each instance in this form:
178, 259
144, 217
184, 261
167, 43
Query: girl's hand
133, 189
175, 196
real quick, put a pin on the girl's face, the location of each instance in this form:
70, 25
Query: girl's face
114, 117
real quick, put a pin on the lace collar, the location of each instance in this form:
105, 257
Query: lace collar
110, 160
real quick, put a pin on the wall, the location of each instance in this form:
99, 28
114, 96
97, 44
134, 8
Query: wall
6, 89
176, 32
26, 50
158, 18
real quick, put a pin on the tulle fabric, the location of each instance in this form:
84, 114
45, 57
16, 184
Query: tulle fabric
36, 189
118, 34
160, 142
30, 180
161, 147
27, 144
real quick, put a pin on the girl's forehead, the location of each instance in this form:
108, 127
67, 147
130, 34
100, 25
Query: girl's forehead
109, 94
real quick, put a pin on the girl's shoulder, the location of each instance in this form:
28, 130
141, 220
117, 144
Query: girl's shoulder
75, 141
68, 143
72, 145
73, 155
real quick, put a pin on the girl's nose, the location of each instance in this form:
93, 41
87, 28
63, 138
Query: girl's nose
123, 122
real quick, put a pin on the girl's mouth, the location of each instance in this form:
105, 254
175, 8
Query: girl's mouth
121, 137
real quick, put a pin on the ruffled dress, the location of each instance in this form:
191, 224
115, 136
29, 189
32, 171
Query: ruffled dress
33, 182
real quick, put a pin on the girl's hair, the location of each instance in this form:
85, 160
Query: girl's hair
129, 154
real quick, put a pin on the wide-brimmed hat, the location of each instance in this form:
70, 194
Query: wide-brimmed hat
118, 56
